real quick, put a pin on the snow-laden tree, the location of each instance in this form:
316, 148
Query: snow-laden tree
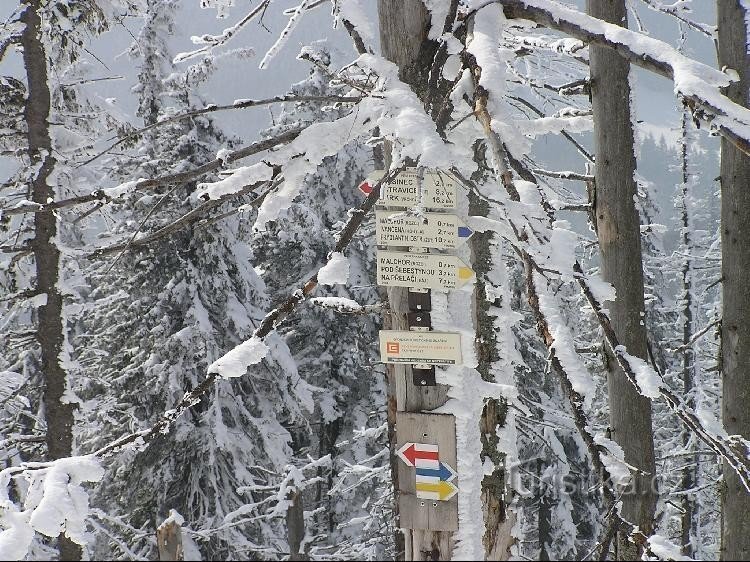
157, 317
216, 266
333, 344
48, 125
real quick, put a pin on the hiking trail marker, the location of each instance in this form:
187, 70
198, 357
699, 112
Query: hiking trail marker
432, 477
430, 230
426, 447
438, 189
424, 271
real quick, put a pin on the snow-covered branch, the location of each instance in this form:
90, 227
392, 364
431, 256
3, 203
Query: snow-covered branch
237, 104
211, 42
269, 323
345, 306
698, 84
118, 192
675, 12
732, 448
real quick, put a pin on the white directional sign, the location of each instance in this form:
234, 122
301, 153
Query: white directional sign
431, 230
433, 348
424, 271
438, 189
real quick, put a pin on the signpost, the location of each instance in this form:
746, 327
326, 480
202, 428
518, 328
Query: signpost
430, 348
438, 189
431, 230
429, 271
412, 216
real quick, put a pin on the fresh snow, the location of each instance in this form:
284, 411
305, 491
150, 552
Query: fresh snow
55, 503
336, 271
337, 303
236, 362
240, 178
649, 382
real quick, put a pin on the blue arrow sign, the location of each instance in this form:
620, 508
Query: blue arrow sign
445, 472
464, 232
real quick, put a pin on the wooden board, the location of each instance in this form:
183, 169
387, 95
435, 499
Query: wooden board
416, 513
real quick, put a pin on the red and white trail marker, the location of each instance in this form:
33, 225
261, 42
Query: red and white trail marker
420, 455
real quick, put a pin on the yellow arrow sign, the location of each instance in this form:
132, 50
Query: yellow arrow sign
440, 491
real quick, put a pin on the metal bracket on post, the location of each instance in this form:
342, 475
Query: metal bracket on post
422, 374
420, 300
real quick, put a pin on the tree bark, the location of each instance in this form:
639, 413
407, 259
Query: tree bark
690, 471
618, 230
735, 331
295, 526
50, 334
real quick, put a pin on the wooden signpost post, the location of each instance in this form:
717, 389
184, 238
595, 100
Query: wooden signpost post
408, 229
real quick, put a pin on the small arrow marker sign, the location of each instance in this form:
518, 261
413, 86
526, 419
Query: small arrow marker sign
424, 271
444, 473
420, 455
441, 491
366, 186
433, 478
430, 230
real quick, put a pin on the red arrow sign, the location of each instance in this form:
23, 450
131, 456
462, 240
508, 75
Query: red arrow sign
419, 453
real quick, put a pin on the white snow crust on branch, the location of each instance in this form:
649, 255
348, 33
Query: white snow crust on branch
696, 82
344, 305
283, 37
546, 125
396, 110
336, 271
54, 502
354, 12
236, 362
240, 178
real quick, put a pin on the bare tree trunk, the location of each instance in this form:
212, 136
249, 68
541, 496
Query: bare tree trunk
735, 248
295, 526
618, 229
690, 472
58, 414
